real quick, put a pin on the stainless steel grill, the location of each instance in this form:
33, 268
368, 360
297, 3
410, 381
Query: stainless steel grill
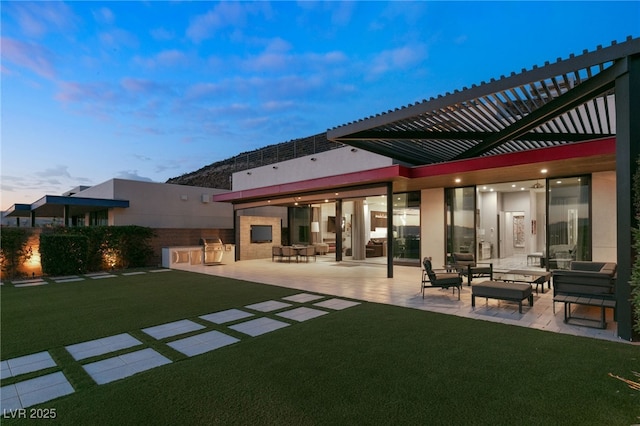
213, 250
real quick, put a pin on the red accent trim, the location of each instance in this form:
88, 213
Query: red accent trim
562, 152
382, 174
385, 174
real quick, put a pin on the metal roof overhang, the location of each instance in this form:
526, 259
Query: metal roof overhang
567, 102
54, 206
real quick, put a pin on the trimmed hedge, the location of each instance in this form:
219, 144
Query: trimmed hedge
14, 250
63, 254
114, 247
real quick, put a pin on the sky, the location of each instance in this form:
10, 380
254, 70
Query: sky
151, 90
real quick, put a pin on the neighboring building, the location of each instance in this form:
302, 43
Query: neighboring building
118, 202
530, 166
179, 215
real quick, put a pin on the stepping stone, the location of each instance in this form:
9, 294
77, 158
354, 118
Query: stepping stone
302, 297
116, 368
99, 277
226, 316
172, 329
201, 343
27, 364
302, 314
30, 284
102, 346
160, 270
268, 306
128, 274
259, 326
68, 280
35, 391
336, 304
28, 281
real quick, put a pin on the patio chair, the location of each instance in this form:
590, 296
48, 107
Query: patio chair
276, 251
439, 278
466, 265
307, 252
289, 252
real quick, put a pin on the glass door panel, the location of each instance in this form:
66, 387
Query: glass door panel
461, 207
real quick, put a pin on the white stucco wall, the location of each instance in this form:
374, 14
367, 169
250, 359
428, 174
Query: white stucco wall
162, 205
329, 163
432, 231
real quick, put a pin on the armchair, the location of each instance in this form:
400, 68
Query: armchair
439, 278
465, 264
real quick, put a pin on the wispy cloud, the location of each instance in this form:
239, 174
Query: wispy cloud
132, 175
233, 15
166, 58
397, 59
32, 56
104, 15
37, 19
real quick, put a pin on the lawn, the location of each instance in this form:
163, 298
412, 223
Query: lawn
368, 364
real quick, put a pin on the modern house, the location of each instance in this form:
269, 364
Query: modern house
536, 166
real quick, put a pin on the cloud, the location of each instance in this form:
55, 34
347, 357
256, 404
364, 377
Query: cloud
117, 38
397, 59
28, 55
233, 15
132, 175
162, 34
104, 15
57, 171
36, 19
166, 58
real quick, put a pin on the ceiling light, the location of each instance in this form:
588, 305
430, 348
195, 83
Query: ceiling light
558, 182
543, 171
458, 180
513, 186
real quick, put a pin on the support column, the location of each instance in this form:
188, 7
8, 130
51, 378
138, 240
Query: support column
67, 219
390, 242
33, 219
627, 90
338, 230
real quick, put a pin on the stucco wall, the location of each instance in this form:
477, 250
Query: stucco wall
162, 205
328, 163
432, 233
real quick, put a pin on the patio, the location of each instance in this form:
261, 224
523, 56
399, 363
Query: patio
367, 281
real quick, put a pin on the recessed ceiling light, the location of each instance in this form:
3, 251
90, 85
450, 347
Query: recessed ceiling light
458, 180
491, 190
513, 186
543, 171
558, 181
484, 187
522, 189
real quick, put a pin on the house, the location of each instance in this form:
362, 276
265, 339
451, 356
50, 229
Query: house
535, 165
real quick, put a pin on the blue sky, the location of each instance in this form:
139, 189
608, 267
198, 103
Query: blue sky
151, 90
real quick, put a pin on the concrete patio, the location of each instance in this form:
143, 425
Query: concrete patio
367, 281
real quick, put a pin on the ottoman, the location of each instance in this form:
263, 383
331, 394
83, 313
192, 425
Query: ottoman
514, 292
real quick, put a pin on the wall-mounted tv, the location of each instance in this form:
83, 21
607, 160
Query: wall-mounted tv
261, 234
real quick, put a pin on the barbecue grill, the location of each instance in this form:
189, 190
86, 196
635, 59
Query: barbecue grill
213, 250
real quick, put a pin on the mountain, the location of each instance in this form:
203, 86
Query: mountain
218, 174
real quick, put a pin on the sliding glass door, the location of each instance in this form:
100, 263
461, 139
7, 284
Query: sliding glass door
461, 208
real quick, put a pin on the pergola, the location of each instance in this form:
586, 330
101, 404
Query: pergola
586, 97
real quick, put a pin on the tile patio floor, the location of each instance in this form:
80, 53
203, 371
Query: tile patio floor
368, 282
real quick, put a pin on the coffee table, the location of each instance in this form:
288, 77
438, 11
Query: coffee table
537, 278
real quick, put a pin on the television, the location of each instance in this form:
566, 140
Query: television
261, 234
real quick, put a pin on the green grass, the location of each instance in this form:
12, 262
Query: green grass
370, 364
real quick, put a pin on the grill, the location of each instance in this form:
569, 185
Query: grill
213, 250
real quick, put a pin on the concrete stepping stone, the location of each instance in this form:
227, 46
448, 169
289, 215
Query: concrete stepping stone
29, 283
302, 297
336, 304
26, 364
128, 274
201, 343
119, 367
102, 346
268, 306
226, 316
259, 326
69, 280
35, 391
302, 314
160, 270
172, 329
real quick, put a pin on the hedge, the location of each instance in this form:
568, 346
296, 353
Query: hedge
14, 250
63, 254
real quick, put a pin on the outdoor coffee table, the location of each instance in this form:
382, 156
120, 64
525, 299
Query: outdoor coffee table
502, 290
537, 278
